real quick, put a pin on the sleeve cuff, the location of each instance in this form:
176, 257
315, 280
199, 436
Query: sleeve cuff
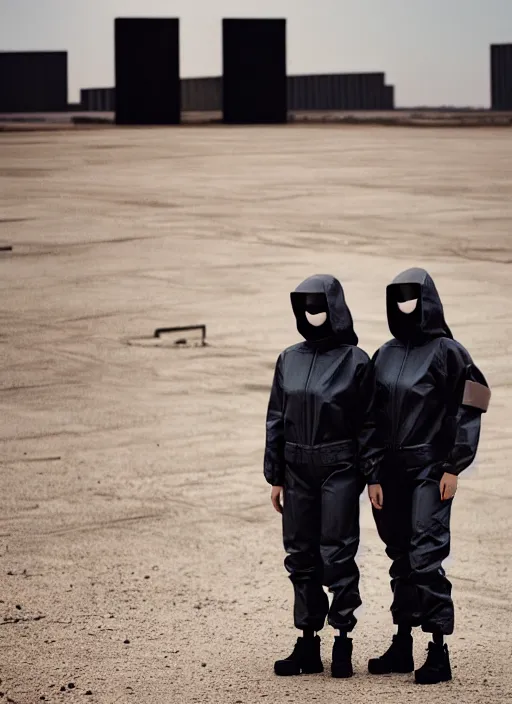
273, 473
449, 468
371, 473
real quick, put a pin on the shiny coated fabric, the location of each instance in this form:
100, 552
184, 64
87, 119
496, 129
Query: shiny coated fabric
418, 380
417, 428
316, 398
314, 416
321, 538
414, 524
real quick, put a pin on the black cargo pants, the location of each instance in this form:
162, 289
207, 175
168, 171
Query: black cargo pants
321, 534
414, 524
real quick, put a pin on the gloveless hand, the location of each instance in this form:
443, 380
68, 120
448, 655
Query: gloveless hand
276, 498
376, 496
448, 486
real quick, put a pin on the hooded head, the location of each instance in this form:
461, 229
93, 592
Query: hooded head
422, 320
323, 294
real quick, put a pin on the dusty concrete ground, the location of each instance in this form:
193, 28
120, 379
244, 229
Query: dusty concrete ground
133, 503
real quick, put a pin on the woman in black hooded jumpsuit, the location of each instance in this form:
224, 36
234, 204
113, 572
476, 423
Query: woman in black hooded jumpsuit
314, 417
421, 432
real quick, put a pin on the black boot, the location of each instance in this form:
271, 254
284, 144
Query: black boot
437, 666
341, 665
305, 659
397, 658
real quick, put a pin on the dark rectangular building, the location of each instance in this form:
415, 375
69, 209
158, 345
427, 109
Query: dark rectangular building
33, 81
254, 73
147, 68
501, 76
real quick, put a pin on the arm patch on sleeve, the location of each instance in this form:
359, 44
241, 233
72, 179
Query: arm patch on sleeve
476, 395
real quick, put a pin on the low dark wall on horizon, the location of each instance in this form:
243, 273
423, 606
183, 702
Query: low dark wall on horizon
340, 91
309, 92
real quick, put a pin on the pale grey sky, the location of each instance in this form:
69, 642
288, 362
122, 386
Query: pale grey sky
435, 51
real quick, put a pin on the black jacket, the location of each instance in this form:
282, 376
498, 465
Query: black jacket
428, 395
315, 404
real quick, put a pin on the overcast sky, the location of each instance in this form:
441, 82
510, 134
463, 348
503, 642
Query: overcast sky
436, 52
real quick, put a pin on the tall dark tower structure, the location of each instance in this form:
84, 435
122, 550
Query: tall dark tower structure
254, 58
33, 81
147, 67
501, 77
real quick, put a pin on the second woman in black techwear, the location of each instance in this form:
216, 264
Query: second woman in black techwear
421, 432
314, 417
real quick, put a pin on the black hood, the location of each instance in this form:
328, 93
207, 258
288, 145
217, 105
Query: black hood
341, 324
427, 322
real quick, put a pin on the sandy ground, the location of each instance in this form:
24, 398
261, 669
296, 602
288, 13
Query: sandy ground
133, 502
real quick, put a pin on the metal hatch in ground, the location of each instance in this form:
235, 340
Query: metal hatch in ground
176, 337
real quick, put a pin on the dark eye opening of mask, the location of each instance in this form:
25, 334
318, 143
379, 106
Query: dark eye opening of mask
315, 303
406, 292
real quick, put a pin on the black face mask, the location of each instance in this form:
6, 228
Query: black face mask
408, 292
315, 303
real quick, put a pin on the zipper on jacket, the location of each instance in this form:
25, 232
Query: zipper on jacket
394, 404
310, 370
305, 416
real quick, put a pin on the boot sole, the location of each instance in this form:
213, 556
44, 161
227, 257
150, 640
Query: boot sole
396, 671
446, 678
342, 676
296, 673
392, 672
376, 666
